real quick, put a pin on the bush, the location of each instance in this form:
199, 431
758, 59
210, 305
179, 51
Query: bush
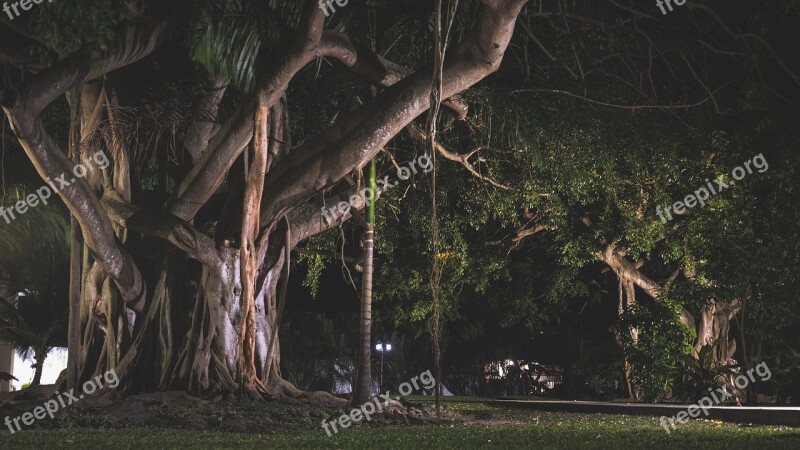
662, 342
787, 377
694, 376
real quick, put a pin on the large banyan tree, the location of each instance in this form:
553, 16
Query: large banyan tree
180, 246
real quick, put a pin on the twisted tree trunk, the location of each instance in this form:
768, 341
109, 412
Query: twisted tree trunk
713, 326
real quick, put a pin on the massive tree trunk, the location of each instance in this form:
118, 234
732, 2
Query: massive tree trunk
713, 326
627, 298
162, 303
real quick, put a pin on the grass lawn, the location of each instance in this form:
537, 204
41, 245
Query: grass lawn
486, 427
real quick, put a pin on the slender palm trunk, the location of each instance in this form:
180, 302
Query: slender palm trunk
39, 368
363, 391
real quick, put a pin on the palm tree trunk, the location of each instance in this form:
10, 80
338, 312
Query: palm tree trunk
363, 391
38, 367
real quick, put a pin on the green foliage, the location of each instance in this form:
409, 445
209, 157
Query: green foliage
661, 343
39, 235
149, 176
71, 25
226, 40
316, 264
786, 377
233, 39
696, 375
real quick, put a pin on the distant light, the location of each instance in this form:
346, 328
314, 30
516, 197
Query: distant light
509, 362
388, 347
379, 347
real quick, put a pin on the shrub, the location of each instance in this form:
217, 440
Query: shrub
694, 376
661, 343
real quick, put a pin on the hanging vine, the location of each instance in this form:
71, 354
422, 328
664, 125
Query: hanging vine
437, 264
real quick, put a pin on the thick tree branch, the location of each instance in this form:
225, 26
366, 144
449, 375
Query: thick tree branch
52, 163
526, 232
22, 107
170, 228
308, 220
626, 270
13, 50
132, 44
352, 141
22, 29
206, 109
629, 272
311, 43
207, 175
302, 51
374, 67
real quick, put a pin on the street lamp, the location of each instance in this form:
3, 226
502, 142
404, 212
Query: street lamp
382, 348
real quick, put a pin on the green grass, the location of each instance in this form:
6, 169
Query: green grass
496, 427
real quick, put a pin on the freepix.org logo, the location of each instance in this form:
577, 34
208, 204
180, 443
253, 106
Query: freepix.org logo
404, 173
366, 411
704, 404
702, 194
25, 5
51, 407
43, 193
326, 5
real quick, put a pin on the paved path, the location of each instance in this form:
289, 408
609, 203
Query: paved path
741, 414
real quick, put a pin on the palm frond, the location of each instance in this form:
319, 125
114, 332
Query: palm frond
42, 230
9, 314
20, 338
226, 41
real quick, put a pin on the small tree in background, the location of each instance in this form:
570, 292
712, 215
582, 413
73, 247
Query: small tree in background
33, 284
